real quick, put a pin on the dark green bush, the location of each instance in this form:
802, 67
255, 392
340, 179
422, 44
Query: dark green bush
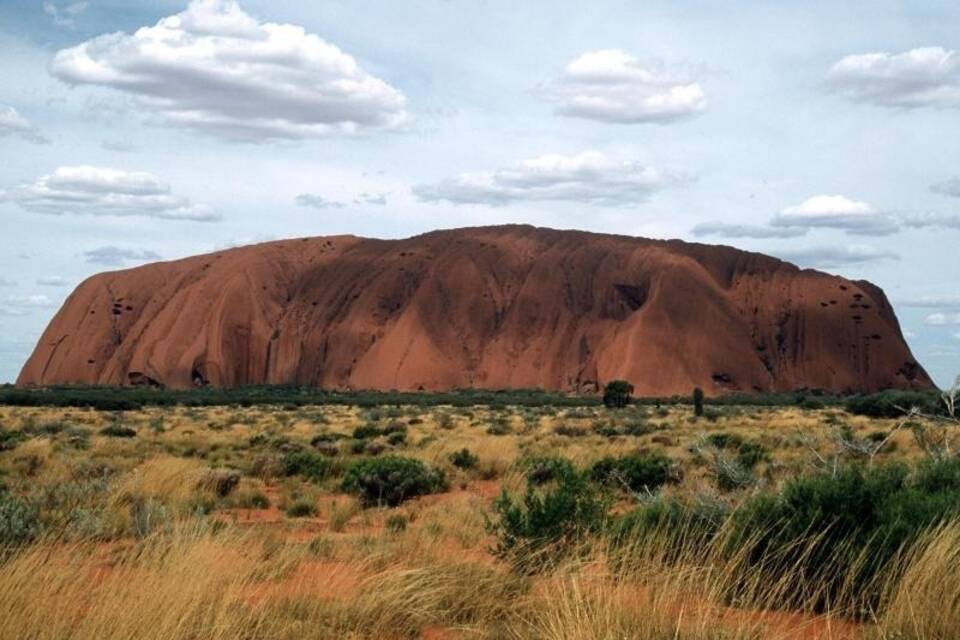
679, 526
118, 431
366, 432
464, 459
536, 529
391, 480
358, 446
617, 394
10, 439
894, 404
19, 520
822, 530
397, 438
542, 470
309, 464
301, 508
634, 473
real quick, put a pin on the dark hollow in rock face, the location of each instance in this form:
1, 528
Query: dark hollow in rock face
489, 307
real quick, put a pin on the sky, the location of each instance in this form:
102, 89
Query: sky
827, 134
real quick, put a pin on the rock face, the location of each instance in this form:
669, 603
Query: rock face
489, 307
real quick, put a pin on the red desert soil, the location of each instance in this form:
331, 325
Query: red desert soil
487, 307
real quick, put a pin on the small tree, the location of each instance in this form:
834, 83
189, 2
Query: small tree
698, 402
617, 393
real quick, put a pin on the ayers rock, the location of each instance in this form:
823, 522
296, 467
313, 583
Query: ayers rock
488, 307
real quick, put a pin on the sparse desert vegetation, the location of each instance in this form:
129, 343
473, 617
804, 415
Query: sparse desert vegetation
427, 517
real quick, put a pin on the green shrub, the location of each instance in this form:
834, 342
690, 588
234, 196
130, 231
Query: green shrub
19, 520
391, 480
638, 429
301, 508
634, 473
832, 534
678, 526
397, 438
542, 470
749, 453
499, 429
894, 404
569, 431
617, 394
548, 521
366, 432
118, 431
309, 464
358, 446
10, 439
464, 459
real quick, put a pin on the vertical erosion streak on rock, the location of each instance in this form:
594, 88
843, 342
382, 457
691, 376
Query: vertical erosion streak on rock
496, 307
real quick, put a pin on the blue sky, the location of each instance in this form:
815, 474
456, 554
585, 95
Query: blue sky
823, 133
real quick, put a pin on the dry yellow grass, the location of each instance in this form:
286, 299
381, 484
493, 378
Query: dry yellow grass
139, 554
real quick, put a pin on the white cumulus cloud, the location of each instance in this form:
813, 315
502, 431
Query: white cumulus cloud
611, 85
728, 230
836, 212
949, 187
103, 191
836, 256
216, 69
65, 16
932, 301
118, 256
931, 220
589, 177
941, 319
922, 77
315, 201
24, 305
12, 124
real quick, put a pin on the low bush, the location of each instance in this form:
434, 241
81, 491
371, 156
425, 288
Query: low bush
535, 530
748, 452
833, 534
301, 508
676, 526
633, 473
19, 520
542, 470
894, 404
10, 439
309, 464
391, 480
464, 459
118, 431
